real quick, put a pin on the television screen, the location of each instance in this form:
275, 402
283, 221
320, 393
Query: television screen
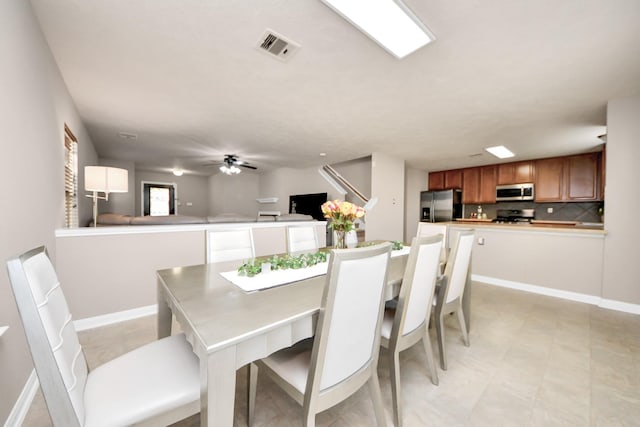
308, 204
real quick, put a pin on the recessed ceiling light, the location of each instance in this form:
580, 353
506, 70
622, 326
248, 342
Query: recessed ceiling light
390, 23
500, 151
323, 154
178, 172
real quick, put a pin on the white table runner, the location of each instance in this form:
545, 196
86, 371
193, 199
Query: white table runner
275, 278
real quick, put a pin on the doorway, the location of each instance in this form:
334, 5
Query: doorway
158, 198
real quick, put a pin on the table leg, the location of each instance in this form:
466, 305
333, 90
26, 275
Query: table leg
218, 388
164, 316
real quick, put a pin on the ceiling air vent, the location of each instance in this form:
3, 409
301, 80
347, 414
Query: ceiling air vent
276, 45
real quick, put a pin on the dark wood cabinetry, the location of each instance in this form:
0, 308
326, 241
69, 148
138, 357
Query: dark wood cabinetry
515, 173
572, 178
557, 179
479, 185
445, 180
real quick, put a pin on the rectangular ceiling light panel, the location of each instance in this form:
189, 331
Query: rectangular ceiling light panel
500, 151
390, 23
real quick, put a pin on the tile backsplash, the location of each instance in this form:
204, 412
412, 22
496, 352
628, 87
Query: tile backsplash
574, 211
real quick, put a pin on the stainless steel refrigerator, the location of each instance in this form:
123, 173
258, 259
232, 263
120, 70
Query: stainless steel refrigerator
440, 206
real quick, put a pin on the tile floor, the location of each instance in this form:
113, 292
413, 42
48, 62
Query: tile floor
533, 361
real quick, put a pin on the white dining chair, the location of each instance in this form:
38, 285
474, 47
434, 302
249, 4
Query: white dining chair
344, 353
451, 291
408, 323
156, 384
302, 239
431, 229
230, 245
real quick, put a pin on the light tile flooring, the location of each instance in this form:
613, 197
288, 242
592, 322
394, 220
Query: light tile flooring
533, 361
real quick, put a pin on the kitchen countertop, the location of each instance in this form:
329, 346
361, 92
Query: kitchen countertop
538, 226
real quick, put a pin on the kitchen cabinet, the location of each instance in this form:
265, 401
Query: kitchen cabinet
479, 185
515, 173
571, 178
445, 180
436, 180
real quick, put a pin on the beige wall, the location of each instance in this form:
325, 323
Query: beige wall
34, 106
284, 182
386, 220
118, 273
415, 182
234, 194
358, 173
192, 189
622, 204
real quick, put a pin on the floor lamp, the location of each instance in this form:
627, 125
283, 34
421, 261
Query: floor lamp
103, 179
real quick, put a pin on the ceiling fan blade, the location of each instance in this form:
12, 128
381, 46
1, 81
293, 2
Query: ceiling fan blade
244, 165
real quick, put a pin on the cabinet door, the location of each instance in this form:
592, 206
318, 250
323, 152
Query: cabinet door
488, 180
549, 179
582, 177
436, 180
471, 185
515, 173
453, 179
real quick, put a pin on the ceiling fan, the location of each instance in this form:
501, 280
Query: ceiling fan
231, 164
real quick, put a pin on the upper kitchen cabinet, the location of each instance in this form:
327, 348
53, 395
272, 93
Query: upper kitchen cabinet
515, 173
572, 178
445, 180
479, 185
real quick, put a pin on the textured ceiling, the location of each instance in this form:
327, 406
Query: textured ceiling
187, 78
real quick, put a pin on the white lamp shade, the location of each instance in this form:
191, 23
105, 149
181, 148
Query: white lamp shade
106, 179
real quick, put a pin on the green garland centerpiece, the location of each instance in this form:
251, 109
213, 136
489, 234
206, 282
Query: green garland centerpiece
284, 262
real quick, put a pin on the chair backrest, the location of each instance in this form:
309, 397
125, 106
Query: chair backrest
348, 332
302, 239
431, 229
53, 341
418, 284
458, 265
230, 245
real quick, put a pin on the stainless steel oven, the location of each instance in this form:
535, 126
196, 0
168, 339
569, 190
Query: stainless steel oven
514, 192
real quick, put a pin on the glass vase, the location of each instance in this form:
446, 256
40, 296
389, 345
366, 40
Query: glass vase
340, 239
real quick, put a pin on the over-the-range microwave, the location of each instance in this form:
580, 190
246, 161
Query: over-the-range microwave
514, 192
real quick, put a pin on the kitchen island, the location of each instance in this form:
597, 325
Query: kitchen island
559, 260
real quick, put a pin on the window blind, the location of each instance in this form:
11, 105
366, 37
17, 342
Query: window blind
70, 179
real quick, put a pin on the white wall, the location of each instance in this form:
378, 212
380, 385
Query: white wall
622, 204
415, 182
386, 220
191, 189
34, 107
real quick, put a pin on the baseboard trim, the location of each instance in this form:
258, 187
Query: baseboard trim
111, 318
22, 405
571, 296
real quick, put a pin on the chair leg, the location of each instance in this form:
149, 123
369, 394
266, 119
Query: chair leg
441, 347
463, 326
252, 384
376, 397
394, 366
426, 341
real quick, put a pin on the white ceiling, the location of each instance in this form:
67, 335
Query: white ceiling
187, 78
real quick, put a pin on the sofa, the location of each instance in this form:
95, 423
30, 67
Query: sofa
113, 219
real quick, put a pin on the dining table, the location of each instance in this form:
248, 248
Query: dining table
229, 327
